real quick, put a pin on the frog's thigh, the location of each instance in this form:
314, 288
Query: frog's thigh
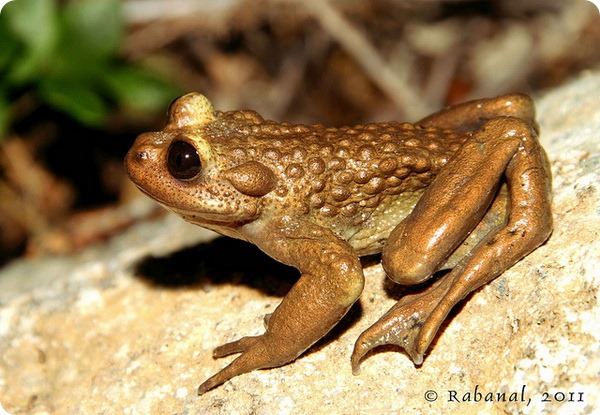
453, 204
331, 281
447, 212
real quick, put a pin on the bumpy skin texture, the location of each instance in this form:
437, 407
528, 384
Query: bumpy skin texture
467, 188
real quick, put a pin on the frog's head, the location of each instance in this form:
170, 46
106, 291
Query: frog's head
183, 169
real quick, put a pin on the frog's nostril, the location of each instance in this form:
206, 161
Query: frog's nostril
142, 153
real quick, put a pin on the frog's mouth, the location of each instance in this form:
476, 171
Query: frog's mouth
205, 217
204, 213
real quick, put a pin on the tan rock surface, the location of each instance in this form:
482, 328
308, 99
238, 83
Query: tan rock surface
89, 334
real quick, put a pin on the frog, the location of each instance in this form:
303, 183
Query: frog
448, 203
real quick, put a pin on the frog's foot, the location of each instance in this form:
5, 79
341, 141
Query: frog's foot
254, 355
406, 325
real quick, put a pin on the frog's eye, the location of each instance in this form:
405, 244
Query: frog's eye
183, 160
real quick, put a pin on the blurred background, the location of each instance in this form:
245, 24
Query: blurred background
80, 79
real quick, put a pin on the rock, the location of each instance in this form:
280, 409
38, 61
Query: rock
128, 326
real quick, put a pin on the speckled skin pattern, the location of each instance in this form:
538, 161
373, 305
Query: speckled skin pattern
467, 188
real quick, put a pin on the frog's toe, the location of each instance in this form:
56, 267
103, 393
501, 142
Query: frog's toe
253, 356
237, 346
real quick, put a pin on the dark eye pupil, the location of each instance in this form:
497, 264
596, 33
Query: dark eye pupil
183, 160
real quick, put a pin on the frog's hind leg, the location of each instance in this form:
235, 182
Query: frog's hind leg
469, 116
448, 211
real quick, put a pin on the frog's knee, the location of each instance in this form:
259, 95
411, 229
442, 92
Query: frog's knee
520, 106
406, 269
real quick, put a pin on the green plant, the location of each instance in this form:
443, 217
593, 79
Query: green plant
67, 58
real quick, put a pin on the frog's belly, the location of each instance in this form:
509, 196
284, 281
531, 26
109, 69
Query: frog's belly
370, 236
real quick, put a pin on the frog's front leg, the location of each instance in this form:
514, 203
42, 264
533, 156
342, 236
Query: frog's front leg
448, 211
331, 281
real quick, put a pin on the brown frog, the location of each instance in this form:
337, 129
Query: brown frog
467, 188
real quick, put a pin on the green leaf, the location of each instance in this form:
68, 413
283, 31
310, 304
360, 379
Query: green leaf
4, 116
34, 22
140, 90
8, 48
93, 29
77, 99
33, 26
24, 68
